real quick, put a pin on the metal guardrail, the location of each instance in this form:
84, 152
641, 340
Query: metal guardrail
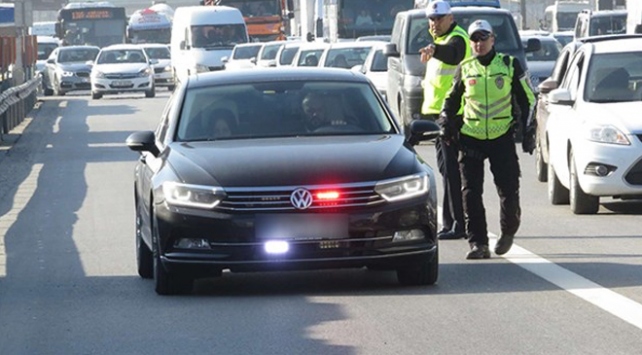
16, 102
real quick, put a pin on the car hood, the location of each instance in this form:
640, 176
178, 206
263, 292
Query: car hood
121, 68
623, 115
74, 67
379, 79
210, 58
162, 63
293, 161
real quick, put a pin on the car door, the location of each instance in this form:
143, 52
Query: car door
542, 113
563, 120
50, 69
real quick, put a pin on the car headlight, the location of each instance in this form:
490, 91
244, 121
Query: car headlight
403, 188
412, 83
200, 68
98, 74
66, 73
607, 134
145, 72
196, 196
168, 68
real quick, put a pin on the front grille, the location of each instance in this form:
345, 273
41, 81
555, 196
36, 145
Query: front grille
278, 198
159, 70
121, 76
634, 176
82, 74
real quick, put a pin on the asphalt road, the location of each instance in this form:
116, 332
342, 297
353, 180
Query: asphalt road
68, 282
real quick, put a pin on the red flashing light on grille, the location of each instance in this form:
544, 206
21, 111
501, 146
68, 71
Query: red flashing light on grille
327, 195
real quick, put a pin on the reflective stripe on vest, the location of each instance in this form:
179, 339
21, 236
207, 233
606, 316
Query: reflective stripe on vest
487, 98
439, 75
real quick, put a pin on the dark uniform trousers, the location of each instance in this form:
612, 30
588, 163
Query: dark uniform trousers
504, 165
452, 209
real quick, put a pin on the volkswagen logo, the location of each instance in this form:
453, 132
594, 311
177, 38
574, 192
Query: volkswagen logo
301, 199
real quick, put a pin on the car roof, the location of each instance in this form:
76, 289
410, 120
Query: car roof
153, 45
542, 38
273, 74
78, 47
123, 46
618, 45
249, 44
360, 44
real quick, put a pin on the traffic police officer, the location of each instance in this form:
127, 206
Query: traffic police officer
450, 47
489, 83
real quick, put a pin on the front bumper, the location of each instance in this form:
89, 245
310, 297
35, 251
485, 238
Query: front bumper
233, 242
624, 163
125, 84
74, 83
163, 78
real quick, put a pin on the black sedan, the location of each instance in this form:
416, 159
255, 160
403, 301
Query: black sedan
282, 169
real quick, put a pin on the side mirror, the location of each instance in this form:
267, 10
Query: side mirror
547, 86
182, 45
143, 141
224, 59
253, 60
290, 15
309, 37
390, 50
533, 45
560, 97
423, 130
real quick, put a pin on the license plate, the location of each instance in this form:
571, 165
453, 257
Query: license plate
301, 226
121, 83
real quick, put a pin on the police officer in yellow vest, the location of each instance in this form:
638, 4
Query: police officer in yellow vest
450, 47
489, 83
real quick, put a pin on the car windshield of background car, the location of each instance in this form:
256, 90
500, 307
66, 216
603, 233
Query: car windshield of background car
614, 77
158, 52
379, 62
346, 57
287, 55
277, 110
246, 52
548, 52
269, 51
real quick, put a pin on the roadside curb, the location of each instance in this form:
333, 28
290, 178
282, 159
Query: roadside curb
8, 140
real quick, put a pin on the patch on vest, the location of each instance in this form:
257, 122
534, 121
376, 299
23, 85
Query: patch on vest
472, 82
499, 82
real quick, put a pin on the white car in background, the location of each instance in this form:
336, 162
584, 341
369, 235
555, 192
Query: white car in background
122, 68
286, 53
163, 76
266, 58
346, 54
243, 56
594, 128
375, 67
309, 54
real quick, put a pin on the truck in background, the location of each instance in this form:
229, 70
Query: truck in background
151, 25
562, 15
266, 20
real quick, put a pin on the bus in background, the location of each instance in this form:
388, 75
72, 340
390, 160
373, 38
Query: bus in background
266, 20
562, 15
149, 26
91, 23
351, 19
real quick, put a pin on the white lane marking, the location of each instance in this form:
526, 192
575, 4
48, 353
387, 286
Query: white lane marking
612, 302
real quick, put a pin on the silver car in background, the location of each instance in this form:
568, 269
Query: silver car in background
67, 69
163, 76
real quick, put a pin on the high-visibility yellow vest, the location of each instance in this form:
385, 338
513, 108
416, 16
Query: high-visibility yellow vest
487, 99
439, 75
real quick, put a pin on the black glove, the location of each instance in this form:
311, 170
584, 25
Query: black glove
449, 130
528, 140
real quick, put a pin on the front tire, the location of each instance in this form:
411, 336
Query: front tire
96, 96
425, 272
541, 168
168, 283
144, 255
557, 193
150, 93
581, 202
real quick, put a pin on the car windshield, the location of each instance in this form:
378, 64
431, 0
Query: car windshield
548, 52
216, 36
309, 58
77, 55
606, 25
269, 51
246, 52
157, 52
115, 56
346, 57
281, 109
614, 77
379, 62
287, 55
